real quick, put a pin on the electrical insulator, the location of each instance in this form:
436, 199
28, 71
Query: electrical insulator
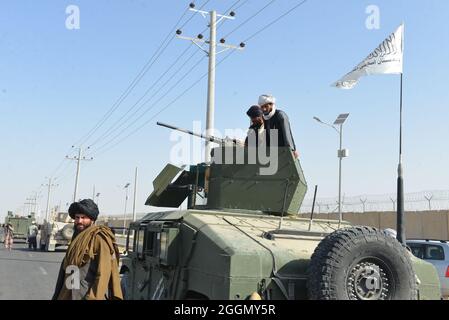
222, 40
200, 36
232, 13
242, 44
178, 32
192, 5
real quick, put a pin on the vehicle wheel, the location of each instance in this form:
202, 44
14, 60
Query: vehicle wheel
361, 263
124, 284
67, 231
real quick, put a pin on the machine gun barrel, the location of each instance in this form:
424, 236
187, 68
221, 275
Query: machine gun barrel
203, 136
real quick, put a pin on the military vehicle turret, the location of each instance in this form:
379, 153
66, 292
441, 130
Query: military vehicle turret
240, 238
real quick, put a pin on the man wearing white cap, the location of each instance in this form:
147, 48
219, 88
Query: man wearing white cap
275, 119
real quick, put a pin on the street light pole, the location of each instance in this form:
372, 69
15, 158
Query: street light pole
126, 202
135, 196
342, 153
340, 156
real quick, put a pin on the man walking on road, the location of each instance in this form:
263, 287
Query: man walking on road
89, 270
9, 236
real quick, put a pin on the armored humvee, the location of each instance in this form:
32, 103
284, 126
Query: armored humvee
240, 238
57, 232
20, 224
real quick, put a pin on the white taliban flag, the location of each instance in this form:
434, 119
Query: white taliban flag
386, 59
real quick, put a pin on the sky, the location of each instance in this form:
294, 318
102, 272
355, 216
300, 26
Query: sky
58, 82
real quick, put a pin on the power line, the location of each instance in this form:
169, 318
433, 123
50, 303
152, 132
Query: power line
146, 68
152, 106
191, 17
276, 20
164, 108
60, 164
65, 173
241, 5
134, 83
114, 126
151, 98
232, 7
250, 18
204, 75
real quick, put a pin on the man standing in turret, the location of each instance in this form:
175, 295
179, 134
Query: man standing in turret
275, 119
256, 131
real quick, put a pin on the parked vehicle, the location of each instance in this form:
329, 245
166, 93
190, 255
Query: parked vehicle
437, 253
240, 238
20, 225
56, 232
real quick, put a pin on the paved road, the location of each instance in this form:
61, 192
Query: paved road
28, 275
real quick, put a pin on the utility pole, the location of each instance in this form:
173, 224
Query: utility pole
78, 168
98, 198
211, 53
32, 203
49, 185
135, 196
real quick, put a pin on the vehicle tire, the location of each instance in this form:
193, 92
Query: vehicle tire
67, 231
124, 277
361, 263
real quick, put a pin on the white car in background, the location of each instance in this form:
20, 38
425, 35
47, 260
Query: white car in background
437, 253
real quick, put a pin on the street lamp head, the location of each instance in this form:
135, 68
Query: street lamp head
317, 119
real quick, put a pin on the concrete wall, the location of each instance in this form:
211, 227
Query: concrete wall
421, 225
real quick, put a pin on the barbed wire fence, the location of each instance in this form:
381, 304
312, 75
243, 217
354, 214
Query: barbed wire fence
419, 201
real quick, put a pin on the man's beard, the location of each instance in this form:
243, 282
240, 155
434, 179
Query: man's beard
76, 231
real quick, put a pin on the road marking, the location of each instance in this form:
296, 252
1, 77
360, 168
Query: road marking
43, 271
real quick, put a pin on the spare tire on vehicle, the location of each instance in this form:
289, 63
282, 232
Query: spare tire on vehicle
361, 263
67, 231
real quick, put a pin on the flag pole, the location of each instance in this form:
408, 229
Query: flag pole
400, 187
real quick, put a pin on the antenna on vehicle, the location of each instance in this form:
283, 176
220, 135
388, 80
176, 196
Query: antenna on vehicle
283, 205
313, 208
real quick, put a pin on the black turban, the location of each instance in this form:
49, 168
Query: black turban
86, 207
254, 112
